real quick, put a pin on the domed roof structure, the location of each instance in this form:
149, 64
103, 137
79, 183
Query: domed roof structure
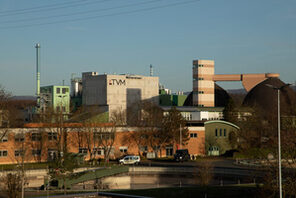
264, 97
221, 97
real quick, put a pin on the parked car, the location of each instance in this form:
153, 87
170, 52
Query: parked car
130, 159
181, 155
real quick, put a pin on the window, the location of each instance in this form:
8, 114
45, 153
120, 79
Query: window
36, 137
200, 92
19, 137
144, 148
36, 152
4, 138
98, 151
216, 132
220, 132
58, 90
18, 152
169, 151
52, 154
83, 151
123, 149
3, 153
52, 136
224, 132
193, 135
200, 78
200, 65
63, 90
103, 135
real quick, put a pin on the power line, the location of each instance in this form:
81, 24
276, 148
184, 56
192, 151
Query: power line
38, 7
101, 16
45, 9
78, 13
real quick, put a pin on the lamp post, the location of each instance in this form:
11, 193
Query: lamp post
180, 137
279, 133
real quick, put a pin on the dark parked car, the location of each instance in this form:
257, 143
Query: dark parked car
181, 155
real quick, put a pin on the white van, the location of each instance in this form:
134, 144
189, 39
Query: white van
130, 159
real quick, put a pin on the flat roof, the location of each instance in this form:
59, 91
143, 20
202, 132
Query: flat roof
193, 108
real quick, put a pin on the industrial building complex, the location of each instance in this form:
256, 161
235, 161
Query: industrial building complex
110, 93
204, 79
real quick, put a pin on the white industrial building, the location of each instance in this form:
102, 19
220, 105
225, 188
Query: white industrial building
118, 92
198, 113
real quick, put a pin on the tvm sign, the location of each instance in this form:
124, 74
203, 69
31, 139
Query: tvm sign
116, 82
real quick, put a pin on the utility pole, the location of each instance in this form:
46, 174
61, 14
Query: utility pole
279, 134
180, 137
279, 144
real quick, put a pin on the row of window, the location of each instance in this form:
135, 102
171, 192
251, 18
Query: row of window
34, 137
193, 135
64, 90
17, 153
198, 78
199, 65
198, 92
53, 136
220, 133
59, 108
51, 152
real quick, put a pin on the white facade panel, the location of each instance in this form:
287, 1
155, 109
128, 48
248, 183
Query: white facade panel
119, 91
205, 84
206, 97
206, 70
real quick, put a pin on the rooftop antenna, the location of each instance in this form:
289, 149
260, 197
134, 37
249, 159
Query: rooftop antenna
151, 70
37, 46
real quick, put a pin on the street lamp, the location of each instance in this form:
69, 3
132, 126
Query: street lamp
279, 133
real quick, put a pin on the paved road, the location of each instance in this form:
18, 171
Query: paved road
215, 162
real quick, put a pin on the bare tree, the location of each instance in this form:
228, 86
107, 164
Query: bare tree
258, 141
62, 162
12, 183
105, 137
4, 113
175, 128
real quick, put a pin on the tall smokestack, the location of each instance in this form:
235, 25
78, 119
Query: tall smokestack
151, 70
37, 46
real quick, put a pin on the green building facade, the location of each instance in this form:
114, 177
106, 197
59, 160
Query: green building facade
172, 100
220, 136
55, 98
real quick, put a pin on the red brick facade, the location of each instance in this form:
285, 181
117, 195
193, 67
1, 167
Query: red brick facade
38, 142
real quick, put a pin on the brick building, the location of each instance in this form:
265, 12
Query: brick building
40, 143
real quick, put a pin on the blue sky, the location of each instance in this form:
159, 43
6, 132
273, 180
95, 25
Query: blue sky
242, 36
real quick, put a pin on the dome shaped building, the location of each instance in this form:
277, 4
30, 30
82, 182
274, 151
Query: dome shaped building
264, 98
221, 97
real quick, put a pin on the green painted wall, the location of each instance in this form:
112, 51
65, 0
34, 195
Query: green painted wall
165, 100
172, 100
60, 97
217, 134
178, 100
